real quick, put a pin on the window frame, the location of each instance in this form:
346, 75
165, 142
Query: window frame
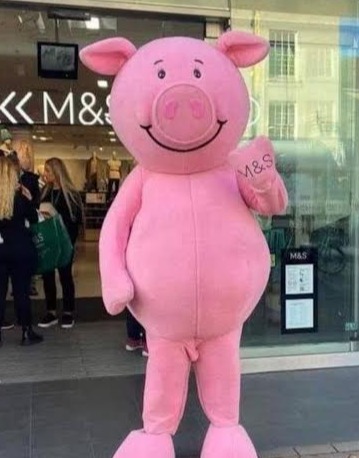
272, 65
283, 129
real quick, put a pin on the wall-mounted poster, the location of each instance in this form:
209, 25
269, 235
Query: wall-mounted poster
299, 298
299, 279
299, 314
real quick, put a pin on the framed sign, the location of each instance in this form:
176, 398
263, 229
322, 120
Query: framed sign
299, 296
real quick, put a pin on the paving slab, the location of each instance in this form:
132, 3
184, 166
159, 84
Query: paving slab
347, 446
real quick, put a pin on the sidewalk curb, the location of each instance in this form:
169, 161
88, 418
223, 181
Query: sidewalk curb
292, 452
354, 454
334, 450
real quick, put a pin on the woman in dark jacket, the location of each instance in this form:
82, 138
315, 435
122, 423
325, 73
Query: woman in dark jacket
17, 252
31, 182
62, 194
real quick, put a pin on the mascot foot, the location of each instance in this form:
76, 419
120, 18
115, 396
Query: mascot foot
139, 444
228, 442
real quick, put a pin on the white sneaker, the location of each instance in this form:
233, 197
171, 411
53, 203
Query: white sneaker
48, 321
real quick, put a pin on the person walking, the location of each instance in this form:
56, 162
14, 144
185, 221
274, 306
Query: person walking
18, 255
61, 193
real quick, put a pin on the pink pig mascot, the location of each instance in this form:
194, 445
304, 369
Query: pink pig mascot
180, 245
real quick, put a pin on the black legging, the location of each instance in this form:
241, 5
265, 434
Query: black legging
68, 289
134, 329
18, 265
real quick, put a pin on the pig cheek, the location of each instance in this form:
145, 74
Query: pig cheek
142, 105
117, 104
221, 112
223, 104
143, 113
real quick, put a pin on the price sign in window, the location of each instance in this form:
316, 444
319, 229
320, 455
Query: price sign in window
299, 298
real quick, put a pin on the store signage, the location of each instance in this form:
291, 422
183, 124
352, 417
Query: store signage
299, 297
86, 109
44, 107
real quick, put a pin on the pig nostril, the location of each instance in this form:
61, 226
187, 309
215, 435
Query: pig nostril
170, 109
197, 107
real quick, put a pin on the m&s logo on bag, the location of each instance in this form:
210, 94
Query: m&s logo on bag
38, 239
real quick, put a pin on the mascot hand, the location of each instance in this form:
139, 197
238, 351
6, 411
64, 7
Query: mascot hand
119, 294
255, 163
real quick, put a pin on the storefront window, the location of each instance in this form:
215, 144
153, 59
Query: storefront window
68, 117
307, 97
304, 97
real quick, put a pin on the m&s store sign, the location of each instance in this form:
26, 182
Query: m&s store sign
42, 107
73, 108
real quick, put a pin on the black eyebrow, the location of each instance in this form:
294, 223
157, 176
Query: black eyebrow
158, 61
199, 61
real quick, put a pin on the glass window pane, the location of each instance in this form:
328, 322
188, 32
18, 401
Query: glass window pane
307, 91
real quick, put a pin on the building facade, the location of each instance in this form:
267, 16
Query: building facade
304, 97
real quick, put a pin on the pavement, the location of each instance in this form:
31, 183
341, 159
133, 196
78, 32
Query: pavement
335, 450
79, 393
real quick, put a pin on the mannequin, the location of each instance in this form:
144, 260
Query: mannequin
92, 168
114, 174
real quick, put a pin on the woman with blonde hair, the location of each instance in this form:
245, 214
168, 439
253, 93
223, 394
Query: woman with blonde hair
61, 193
6, 146
17, 252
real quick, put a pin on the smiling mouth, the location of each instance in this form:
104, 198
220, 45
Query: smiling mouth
189, 150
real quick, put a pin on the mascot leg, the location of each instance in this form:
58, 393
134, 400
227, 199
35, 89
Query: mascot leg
166, 388
218, 380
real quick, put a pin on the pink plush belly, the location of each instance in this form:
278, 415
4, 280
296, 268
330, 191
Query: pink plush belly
196, 255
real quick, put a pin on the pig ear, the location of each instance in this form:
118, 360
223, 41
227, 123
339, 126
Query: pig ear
244, 49
107, 57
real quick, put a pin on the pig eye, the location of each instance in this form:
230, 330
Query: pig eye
197, 73
161, 74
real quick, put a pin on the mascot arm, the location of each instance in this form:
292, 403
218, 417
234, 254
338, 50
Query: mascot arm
259, 183
117, 286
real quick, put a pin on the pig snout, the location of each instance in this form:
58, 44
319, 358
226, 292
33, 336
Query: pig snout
184, 114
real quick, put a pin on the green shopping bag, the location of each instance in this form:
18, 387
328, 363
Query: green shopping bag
66, 248
53, 244
45, 238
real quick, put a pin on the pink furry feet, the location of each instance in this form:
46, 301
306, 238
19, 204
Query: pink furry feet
228, 442
139, 444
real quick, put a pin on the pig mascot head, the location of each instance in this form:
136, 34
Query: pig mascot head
180, 245
178, 104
